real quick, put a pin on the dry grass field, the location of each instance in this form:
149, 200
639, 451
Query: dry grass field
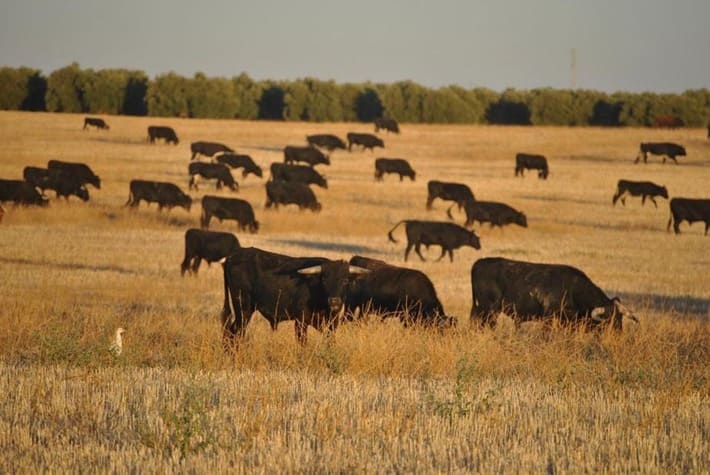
374, 397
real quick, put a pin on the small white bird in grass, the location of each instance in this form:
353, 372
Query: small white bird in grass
117, 345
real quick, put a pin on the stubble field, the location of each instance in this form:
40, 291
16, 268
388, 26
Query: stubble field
375, 397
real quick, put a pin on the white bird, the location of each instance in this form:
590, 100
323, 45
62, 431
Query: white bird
117, 345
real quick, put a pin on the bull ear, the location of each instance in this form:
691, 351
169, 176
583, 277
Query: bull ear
358, 270
597, 314
310, 270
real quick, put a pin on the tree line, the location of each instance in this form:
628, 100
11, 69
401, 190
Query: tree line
132, 92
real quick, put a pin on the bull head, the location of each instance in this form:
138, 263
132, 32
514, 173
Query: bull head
522, 220
615, 312
335, 279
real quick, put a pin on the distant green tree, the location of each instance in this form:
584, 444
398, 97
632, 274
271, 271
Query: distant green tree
247, 93
22, 89
65, 91
368, 105
323, 103
349, 94
167, 96
272, 102
296, 98
445, 106
210, 97
512, 108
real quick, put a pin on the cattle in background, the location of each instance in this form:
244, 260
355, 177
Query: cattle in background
80, 170
95, 122
286, 192
665, 149
298, 174
691, 210
394, 165
390, 125
493, 213
668, 121
208, 149
211, 171
645, 189
529, 291
531, 162
448, 191
208, 245
167, 195
36, 176
162, 132
308, 290
307, 154
240, 161
63, 183
327, 141
395, 291
228, 208
364, 140
447, 235
21, 192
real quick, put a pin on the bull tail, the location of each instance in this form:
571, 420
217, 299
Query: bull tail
448, 211
389, 234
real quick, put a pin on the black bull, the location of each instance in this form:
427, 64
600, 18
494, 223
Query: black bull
308, 290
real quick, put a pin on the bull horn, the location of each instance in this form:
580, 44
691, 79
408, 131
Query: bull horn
310, 270
597, 313
358, 270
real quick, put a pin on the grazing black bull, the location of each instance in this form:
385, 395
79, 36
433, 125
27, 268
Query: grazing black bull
645, 189
297, 174
528, 161
63, 183
228, 208
394, 165
493, 213
308, 154
327, 141
447, 235
364, 140
456, 192
240, 161
208, 245
395, 291
665, 149
308, 290
208, 149
167, 195
164, 132
691, 210
285, 192
211, 171
21, 192
390, 125
80, 170
95, 122
528, 291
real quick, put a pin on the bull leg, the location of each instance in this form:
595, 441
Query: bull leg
429, 201
676, 226
185, 265
219, 184
707, 226
451, 255
616, 197
653, 200
196, 264
417, 249
301, 329
443, 252
674, 159
643, 199
407, 250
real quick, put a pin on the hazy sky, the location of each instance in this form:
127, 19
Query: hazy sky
631, 45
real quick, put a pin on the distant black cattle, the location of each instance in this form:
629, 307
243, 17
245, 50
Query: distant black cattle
167, 195
162, 132
21, 192
364, 140
645, 189
63, 183
228, 208
456, 192
529, 291
208, 149
208, 245
395, 291
36, 176
389, 125
327, 141
240, 161
211, 171
665, 149
80, 170
308, 154
691, 210
95, 122
308, 290
447, 235
286, 192
394, 165
531, 162
2, 213
297, 173
496, 214
668, 121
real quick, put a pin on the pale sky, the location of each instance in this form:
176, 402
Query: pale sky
621, 45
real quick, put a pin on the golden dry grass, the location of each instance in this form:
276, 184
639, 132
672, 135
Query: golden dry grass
375, 397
